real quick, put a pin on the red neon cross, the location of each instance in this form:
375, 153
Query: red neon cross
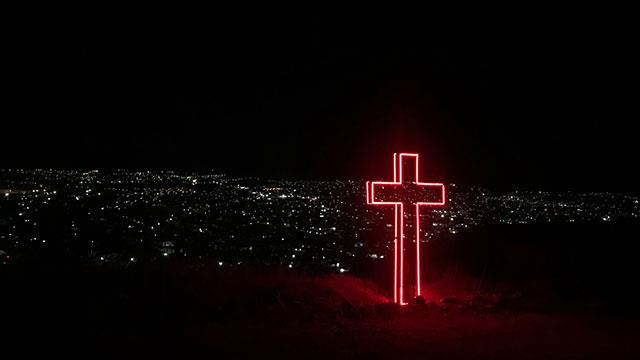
405, 189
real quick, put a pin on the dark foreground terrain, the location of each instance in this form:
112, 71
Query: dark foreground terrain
494, 294
175, 311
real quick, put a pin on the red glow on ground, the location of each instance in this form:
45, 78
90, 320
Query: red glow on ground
399, 197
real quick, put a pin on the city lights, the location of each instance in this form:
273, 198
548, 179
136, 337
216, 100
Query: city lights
229, 219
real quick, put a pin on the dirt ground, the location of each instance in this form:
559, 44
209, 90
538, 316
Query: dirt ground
187, 313
429, 334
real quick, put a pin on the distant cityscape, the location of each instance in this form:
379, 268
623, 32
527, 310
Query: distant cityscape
124, 216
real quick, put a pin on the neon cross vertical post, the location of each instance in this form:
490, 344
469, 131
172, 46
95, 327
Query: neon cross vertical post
407, 195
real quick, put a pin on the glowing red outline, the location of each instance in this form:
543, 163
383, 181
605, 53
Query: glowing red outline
399, 211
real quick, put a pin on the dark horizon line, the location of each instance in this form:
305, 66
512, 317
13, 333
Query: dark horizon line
239, 174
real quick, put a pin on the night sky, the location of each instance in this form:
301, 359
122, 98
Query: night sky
536, 104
